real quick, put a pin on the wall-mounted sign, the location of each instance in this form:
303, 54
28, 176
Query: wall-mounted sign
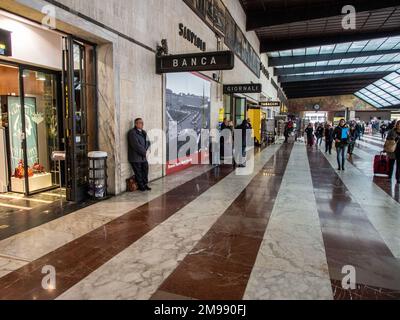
270, 104
190, 36
243, 88
209, 61
317, 107
5, 43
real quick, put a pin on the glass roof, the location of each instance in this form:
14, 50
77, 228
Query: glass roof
383, 93
384, 58
387, 43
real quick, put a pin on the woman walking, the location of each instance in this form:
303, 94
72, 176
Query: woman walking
341, 137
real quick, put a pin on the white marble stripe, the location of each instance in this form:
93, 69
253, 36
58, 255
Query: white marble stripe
291, 263
37, 242
381, 209
380, 141
371, 146
137, 272
375, 137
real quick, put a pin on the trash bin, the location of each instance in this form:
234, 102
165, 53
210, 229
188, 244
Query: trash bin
98, 174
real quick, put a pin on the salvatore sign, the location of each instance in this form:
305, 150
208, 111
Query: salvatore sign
208, 61
5, 43
271, 104
243, 88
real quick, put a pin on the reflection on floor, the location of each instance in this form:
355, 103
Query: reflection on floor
19, 213
286, 227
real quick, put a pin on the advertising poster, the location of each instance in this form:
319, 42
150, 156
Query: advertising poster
188, 102
14, 114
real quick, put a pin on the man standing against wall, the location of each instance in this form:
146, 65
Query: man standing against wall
137, 153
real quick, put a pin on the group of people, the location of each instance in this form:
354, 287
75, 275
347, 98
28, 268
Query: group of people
344, 136
243, 127
385, 128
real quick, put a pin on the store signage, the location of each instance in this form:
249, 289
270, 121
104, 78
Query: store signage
272, 104
243, 88
190, 36
209, 61
5, 43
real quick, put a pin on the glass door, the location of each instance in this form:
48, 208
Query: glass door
41, 129
240, 110
79, 105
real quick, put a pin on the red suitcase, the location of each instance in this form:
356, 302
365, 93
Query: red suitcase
381, 164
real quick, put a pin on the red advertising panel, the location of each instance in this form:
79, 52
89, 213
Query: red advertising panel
188, 105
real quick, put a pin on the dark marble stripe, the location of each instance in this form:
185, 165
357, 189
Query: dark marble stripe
363, 292
220, 265
349, 236
79, 258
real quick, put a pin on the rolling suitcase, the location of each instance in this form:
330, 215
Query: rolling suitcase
381, 164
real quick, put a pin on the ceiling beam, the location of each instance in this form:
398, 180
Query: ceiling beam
318, 94
305, 85
376, 75
270, 45
291, 14
298, 70
283, 61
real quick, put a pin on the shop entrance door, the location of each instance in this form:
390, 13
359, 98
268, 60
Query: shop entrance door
79, 105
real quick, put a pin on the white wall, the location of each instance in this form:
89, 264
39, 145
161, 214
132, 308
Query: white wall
33, 45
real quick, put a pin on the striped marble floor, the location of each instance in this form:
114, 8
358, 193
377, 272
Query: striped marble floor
284, 228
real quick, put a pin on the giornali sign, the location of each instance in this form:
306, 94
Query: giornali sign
209, 61
243, 88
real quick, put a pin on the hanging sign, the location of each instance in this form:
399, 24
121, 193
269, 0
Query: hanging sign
243, 88
5, 43
271, 104
209, 61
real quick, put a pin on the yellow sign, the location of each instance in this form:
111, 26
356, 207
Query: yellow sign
221, 115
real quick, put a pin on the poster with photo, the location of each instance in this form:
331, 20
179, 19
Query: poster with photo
219, 16
230, 31
239, 42
188, 104
209, 12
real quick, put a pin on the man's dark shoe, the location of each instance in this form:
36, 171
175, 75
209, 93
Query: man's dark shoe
143, 189
148, 188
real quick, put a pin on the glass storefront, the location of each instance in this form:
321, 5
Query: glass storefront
235, 108
59, 113
31, 132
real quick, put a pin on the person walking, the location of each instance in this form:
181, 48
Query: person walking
241, 153
341, 137
310, 135
137, 154
352, 140
329, 138
319, 134
384, 129
394, 157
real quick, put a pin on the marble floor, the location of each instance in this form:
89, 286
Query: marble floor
289, 226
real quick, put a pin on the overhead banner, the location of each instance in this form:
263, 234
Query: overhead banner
274, 104
5, 43
208, 61
243, 88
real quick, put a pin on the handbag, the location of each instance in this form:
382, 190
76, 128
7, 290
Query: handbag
131, 184
390, 146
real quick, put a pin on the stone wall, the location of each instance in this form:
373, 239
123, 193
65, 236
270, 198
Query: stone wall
128, 85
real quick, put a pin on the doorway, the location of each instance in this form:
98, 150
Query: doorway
31, 133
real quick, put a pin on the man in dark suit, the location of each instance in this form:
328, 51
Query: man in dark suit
137, 153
